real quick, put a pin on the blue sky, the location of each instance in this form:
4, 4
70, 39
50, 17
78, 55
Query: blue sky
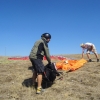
70, 22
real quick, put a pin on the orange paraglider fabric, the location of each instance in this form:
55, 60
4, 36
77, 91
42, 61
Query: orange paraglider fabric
70, 64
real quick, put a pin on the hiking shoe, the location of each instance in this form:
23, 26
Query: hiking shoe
39, 90
97, 60
90, 60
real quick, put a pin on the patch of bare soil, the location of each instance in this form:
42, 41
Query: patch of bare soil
81, 84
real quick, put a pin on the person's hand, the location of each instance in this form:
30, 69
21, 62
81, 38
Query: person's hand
92, 50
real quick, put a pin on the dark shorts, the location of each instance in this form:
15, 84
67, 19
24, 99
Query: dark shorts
38, 65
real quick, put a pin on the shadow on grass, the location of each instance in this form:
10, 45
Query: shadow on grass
29, 83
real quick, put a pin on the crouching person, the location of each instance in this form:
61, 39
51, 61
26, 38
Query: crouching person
89, 47
38, 51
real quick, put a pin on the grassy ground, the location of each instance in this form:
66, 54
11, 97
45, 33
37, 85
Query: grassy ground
82, 84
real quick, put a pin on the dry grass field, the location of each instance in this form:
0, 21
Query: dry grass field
81, 84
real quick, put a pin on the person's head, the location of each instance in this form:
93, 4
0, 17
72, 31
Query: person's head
47, 36
82, 45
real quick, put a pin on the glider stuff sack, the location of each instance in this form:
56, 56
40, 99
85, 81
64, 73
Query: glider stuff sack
50, 73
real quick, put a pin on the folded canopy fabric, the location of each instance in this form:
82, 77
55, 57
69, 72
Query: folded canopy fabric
70, 64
